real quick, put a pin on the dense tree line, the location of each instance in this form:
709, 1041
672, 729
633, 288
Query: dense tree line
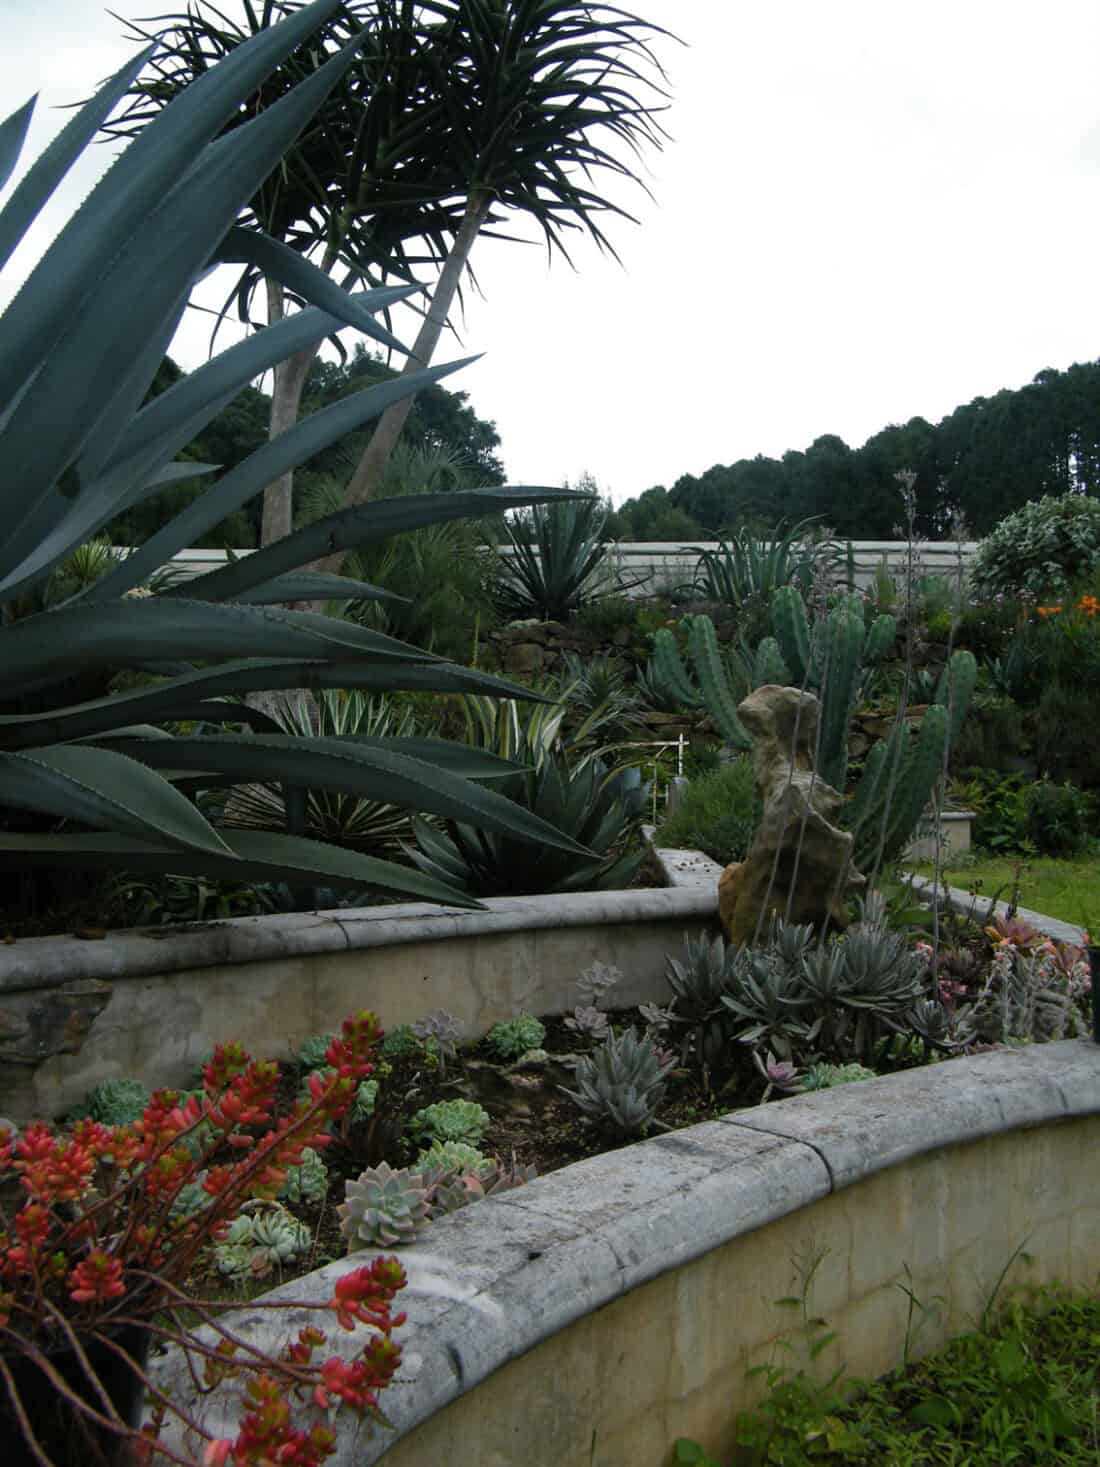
440, 419
985, 459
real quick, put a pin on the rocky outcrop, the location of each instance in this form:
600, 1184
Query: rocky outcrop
799, 865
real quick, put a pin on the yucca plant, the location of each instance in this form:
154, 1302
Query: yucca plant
79, 345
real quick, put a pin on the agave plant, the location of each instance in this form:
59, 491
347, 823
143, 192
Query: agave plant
599, 809
556, 561
81, 343
744, 570
621, 1085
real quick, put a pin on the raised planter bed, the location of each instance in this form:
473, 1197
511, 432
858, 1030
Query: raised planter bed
149, 1004
598, 1313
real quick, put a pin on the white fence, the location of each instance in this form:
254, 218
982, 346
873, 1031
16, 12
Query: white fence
657, 565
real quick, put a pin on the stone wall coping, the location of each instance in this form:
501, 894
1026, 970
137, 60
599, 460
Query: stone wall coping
964, 901
491, 1282
46, 962
684, 869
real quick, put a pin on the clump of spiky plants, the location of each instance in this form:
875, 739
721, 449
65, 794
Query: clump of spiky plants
383, 1208
311, 1056
114, 1102
621, 1085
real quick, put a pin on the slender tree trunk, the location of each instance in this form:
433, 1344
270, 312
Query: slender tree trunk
286, 402
368, 472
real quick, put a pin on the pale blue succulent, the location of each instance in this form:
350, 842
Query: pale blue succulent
258, 1242
308, 1182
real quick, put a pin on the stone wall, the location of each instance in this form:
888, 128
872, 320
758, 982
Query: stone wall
149, 1004
594, 1315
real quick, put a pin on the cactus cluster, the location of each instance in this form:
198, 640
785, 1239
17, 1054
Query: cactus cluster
261, 1240
451, 1120
514, 1037
621, 1084
902, 770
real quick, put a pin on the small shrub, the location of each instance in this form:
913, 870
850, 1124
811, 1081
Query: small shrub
514, 1037
1056, 818
1041, 548
718, 815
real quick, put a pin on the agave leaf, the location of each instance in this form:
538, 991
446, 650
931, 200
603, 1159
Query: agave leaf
257, 471
121, 202
279, 262
355, 768
47, 171
102, 787
178, 696
133, 632
133, 299
254, 856
348, 528
13, 134
314, 586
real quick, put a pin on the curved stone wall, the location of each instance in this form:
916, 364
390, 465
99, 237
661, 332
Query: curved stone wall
591, 1317
149, 1004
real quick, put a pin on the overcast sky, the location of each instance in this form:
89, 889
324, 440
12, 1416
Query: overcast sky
868, 211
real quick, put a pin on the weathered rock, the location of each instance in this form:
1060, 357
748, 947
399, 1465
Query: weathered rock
799, 864
524, 657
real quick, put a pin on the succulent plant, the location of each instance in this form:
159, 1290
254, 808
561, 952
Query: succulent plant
383, 1208
621, 1085
401, 1043
307, 1182
451, 1156
825, 1076
513, 1037
451, 1120
191, 1198
588, 1021
452, 1190
116, 1102
311, 1056
260, 1241
698, 985
439, 1031
366, 1098
596, 982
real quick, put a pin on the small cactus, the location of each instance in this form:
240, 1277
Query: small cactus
514, 1037
451, 1120
383, 1208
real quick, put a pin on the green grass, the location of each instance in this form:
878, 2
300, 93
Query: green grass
1065, 888
1023, 1391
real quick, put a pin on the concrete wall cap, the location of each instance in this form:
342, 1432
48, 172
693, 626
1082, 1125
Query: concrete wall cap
44, 962
491, 1282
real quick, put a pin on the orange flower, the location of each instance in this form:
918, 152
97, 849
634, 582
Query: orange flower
1089, 605
1045, 611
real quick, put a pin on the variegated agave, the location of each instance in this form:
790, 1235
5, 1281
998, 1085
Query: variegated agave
80, 344
620, 1086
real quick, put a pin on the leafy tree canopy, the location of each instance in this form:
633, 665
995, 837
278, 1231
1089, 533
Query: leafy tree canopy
985, 459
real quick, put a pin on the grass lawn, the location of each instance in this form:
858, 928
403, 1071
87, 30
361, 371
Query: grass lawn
1069, 889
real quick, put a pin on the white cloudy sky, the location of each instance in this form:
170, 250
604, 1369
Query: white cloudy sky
869, 210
